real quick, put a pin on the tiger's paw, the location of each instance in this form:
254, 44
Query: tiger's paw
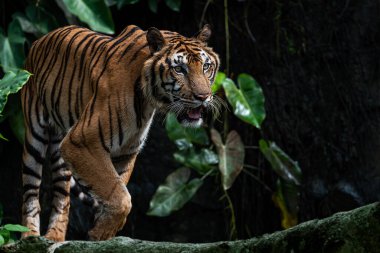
109, 222
55, 235
101, 231
30, 233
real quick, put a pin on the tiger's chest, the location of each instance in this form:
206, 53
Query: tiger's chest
134, 136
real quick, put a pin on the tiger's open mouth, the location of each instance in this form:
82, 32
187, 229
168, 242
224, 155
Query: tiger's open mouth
191, 115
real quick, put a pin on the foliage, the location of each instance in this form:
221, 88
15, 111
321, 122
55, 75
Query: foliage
6, 231
231, 155
174, 5
12, 47
248, 101
95, 13
12, 83
286, 196
174, 193
281, 163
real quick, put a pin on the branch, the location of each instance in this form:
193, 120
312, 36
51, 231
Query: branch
354, 231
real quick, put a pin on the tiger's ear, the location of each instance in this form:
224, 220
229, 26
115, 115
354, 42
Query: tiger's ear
155, 39
204, 34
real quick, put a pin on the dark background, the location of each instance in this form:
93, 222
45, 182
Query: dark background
318, 64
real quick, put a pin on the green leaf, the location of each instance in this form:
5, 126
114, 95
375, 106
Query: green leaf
36, 20
5, 234
11, 83
202, 161
280, 162
183, 144
218, 83
174, 193
231, 156
2, 241
16, 228
176, 131
12, 47
153, 5
248, 101
175, 5
95, 13
286, 198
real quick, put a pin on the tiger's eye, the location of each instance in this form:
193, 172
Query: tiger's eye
178, 69
206, 66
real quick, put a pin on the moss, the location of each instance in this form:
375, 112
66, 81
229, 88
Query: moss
355, 231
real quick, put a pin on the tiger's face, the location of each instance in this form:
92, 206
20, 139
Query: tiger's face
179, 75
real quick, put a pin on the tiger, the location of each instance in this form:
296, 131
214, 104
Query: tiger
88, 108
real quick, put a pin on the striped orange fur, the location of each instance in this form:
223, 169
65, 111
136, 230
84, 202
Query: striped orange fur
91, 101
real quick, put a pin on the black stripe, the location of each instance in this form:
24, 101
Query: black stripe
30, 172
60, 190
27, 187
122, 158
110, 120
37, 136
54, 157
134, 57
34, 208
34, 153
131, 44
138, 103
60, 166
119, 120
102, 137
61, 178
161, 69
27, 196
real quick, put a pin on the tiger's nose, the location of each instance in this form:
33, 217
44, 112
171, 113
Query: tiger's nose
202, 97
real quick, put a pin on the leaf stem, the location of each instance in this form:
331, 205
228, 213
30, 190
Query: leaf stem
207, 174
233, 232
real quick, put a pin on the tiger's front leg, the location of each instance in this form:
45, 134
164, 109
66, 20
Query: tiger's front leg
92, 163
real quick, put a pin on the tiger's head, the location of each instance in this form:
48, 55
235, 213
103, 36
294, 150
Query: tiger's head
179, 74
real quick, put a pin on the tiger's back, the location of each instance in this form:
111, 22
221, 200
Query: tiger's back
72, 61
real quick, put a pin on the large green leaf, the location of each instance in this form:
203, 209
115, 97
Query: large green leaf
174, 193
12, 54
11, 83
36, 20
202, 161
218, 83
231, 156
175, 5
95, 13
248, 101
281, 163
286, 198
16, 228
176, 131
